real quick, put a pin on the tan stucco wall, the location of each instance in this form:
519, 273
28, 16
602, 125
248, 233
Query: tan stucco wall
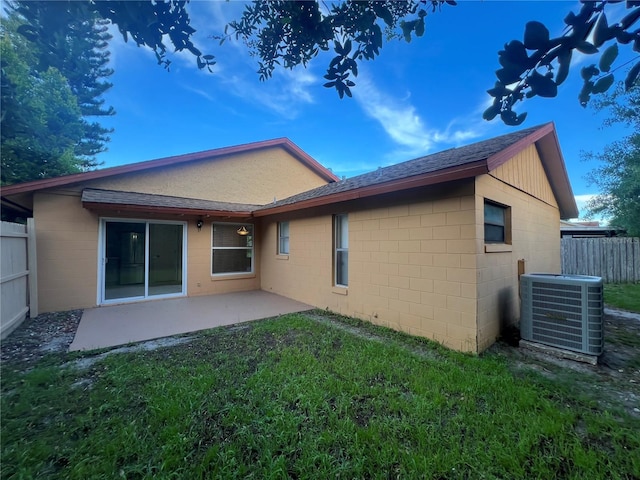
67, 244
411, 264
535, 238
253, 178
67, 234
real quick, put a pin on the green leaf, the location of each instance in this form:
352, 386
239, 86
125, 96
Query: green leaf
630, 19
491, 112
383, 12
514, 54
588, 72
542, 86
585, 93
608, 57
510, 118
536, 36
407, 28
603, 84
601, 31
498, 90
420, 27
508, 75
586, 47
632, 77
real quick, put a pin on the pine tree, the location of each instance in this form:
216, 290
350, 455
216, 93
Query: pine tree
70, 39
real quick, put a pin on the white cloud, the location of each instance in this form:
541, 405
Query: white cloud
284, 94
235, 71
582, 201
405, 126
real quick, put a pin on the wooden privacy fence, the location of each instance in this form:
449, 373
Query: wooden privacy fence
616, 260
18, 295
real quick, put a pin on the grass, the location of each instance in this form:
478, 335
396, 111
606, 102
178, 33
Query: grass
296, 398
623, 295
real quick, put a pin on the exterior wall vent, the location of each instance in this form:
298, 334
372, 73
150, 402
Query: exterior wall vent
563, 311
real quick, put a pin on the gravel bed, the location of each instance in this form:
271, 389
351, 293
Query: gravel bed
36, 337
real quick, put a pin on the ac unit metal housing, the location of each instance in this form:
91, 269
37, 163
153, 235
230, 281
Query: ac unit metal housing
564, 311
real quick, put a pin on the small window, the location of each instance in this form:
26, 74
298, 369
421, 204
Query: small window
283, 238
232, 248
497, 223
341, 254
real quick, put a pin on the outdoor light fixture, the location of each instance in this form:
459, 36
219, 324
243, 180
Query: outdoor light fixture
199, 224
242, 231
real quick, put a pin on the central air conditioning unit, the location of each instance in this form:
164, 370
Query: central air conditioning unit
564, 311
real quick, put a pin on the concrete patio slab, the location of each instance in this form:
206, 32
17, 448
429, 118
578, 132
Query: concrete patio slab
110, 326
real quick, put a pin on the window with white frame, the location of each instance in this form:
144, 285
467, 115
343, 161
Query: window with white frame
497, 223
231, 248
341, 249
283, 238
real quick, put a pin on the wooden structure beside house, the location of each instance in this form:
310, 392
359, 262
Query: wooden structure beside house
432, 246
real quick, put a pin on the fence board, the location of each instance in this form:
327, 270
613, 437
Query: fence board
616, 260
15, 275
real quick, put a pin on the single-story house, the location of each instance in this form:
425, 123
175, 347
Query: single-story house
433, 246
588, 230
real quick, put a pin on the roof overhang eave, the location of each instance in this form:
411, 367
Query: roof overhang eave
151, 209
432, 178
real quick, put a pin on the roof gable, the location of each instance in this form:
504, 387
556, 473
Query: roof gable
76, 178
452, 164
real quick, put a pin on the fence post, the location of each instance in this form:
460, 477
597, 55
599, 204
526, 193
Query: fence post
33, 268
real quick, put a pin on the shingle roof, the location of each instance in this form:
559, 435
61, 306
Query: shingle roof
454, 157
126, 199
453, 164
76, 178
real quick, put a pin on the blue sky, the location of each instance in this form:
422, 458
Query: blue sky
414, 99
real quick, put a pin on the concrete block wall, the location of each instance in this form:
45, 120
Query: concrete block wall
413, 268
535, 228
411, 264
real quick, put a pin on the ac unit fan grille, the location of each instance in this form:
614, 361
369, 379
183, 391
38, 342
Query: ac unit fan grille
557, 316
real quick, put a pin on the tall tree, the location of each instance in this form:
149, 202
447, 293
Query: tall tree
47, 43
41, 120
619, 175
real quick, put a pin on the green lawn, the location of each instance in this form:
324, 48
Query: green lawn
623, 295
295, 398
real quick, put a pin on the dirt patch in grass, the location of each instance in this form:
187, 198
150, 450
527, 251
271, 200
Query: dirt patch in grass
613, 382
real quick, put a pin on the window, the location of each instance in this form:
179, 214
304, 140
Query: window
341, 254
232, 248
497, 223
283, 238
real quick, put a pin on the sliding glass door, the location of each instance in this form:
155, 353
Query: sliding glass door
142, 259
